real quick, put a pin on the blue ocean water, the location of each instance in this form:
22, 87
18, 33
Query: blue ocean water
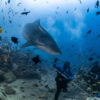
67, 21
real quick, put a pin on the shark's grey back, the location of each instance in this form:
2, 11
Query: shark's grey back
39, 37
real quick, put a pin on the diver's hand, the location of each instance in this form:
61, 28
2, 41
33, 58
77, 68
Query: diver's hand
72, 77
56, 59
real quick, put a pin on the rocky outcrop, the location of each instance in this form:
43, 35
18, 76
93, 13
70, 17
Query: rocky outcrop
9, 90
9, 77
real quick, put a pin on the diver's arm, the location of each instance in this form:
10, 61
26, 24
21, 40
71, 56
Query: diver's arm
59, 68
71, 75
54, 64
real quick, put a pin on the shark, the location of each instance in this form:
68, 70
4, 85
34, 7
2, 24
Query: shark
37, 36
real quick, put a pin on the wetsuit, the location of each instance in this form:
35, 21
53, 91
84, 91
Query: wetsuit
61, 81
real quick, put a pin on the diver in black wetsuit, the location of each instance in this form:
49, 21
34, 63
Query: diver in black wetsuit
94, 79
61, 81
96, 68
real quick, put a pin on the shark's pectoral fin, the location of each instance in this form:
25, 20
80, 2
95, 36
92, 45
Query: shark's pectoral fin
26, 45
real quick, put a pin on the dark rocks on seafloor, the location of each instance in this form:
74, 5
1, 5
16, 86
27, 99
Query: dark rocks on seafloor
32, 94
1, 99
2, 78
9, 90
51, 90
6, 76
29, 75
23, 82
24, 97
46, 86
90, 59
43, 71
36, 85
3, 96
9, 77
22, 89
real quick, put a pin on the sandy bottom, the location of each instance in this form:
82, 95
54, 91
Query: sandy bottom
43, 89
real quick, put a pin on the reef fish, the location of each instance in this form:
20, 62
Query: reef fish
14, 40
25, 13
0, 30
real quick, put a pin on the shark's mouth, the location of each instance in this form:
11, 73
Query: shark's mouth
48, 50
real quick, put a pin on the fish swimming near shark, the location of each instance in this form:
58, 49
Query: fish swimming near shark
37, 36
25, 13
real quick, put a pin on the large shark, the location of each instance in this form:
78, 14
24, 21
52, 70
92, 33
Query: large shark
37, 36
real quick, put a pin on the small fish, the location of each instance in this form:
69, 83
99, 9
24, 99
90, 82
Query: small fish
4, 94
75, 9
89, 31
36, 59
4, 58
80, 55
23, 69
58, 7
14, 40
80, 1
0, 30
99, 35
97, 4
56, 12
25, 13
88, 10
67, 12
55, 60
42, 96
5, 3
98, 82
97, 13
95, 91
19, 4
90, 59
72, 45
94, 84
8, 1
0, 38
10, 21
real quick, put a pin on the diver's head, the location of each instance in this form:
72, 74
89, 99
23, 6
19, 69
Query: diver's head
66, 65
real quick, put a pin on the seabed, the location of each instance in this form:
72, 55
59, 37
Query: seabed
20, 79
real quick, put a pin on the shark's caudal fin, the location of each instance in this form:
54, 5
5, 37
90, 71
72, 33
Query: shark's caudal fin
26, 45
37, 22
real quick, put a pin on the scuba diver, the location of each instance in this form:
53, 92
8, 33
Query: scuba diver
64, 76
94, 78
96, 68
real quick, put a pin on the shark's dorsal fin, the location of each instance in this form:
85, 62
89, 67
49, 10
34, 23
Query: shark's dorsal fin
37, 22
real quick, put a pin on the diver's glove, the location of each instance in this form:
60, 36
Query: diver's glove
55, 61
72, 77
